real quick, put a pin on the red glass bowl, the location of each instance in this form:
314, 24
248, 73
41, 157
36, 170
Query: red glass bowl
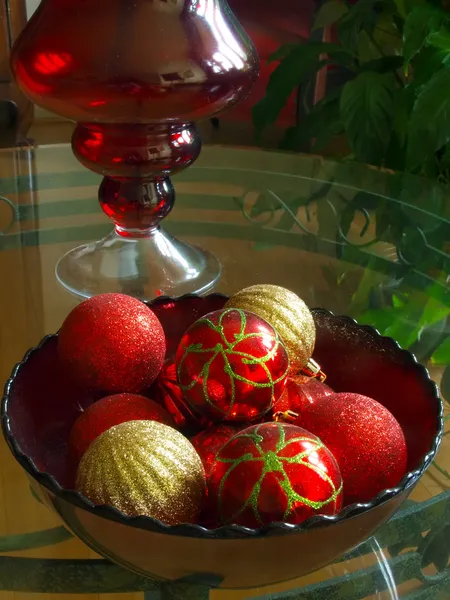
39, 408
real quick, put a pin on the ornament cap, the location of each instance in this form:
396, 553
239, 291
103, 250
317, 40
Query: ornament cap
285, 416
313, 370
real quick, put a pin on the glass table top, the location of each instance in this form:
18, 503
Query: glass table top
369, 244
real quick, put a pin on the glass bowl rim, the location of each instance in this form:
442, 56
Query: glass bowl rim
47, 480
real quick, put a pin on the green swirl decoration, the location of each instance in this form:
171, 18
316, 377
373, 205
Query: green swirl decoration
273, 462
226, 349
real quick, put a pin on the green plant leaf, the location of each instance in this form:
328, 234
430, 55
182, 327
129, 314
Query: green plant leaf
366, 111
403, 104
386, 34
440, 40
384, 64
360, 15
412, 4
429, 127
445, 158
292, 139
317, 128
420, 23
398, 302
266, 112
296, 68
331, 96
366, 49
282, 52
381, 319
403, 331
395, 156
329, 125
401, 7
329, 13
421, 205
445, 384
442, 355
428, 340
433, 312
426, 64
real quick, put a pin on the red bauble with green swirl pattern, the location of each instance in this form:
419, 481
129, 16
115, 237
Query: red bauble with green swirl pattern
274, 472
231, 366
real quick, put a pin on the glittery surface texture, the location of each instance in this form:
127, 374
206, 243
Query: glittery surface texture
298, 398
112, 343
231, 366
358, 360
274, 472
366, 440
144, 468
111, 411
287, 313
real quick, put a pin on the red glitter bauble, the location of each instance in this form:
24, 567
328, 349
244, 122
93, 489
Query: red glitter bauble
112, 343
231, 365
274, 472
211, 440
366, 440
166, 391
298, 398
110, 411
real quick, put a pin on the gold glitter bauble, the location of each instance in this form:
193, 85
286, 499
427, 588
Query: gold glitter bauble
287, 313
144, 468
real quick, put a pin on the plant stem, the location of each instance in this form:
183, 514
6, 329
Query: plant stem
380, 50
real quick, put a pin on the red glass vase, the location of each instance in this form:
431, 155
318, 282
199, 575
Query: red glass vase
135, 75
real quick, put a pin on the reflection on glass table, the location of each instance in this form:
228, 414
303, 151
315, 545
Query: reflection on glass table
357, 241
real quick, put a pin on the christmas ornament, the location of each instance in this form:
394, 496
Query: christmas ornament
209, 441
110, 411
231, 365
274, 472
365, 438
288, 314
144, 468
112, 343
166, 391
297, 398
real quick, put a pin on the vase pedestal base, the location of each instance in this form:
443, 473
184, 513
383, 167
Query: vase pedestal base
144, 267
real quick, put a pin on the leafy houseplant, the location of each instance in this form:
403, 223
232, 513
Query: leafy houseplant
393, 100
391, 106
